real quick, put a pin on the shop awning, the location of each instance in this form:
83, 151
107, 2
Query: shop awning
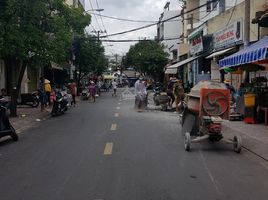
218, 53
175, 66
171, 71
253, 53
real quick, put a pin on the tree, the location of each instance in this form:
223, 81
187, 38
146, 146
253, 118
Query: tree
89, 54
148, 57
36, 33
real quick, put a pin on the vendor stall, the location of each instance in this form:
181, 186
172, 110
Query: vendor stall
252, 96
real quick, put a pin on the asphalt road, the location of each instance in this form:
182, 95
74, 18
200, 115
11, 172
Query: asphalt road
107, 151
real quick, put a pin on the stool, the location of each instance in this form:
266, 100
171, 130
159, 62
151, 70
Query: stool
265, 109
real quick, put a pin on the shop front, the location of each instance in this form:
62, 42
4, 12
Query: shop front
200, 45
226, 41
252, 96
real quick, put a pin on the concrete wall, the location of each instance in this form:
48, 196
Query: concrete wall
171, 29
231, 15
76, 2
221, 20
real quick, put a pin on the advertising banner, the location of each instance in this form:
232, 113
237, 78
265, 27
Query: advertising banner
228, 36
196, 43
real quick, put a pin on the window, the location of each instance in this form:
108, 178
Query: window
214, 5
209, 6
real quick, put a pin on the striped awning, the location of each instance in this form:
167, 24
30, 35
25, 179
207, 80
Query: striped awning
250, 54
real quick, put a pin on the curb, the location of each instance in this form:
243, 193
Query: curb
257, 147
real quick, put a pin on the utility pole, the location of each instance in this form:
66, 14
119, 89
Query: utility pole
247, 31
247, 23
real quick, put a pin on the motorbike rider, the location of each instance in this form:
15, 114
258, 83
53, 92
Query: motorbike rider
178, 92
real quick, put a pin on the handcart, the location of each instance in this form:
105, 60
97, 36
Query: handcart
208, 104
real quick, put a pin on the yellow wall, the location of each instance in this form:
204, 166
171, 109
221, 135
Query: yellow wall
220, 21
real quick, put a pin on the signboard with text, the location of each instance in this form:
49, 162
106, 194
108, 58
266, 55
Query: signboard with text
196, 43
228, 36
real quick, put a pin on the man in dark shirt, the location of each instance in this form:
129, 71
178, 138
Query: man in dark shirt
170, 91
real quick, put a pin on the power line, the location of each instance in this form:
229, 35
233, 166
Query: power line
147, 26
135, 40
231, 13
94, 15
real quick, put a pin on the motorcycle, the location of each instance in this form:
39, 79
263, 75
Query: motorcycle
6, 129
160, 99
30, 99
60, 104
85, 94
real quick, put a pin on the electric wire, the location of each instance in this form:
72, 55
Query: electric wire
91, 5
105, 30
149, 25
231, 16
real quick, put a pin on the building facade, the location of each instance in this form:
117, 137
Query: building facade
76, 3
168, 32
212, 30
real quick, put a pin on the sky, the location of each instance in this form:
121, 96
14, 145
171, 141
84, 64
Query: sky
127, 9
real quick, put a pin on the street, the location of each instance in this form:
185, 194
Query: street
108, 151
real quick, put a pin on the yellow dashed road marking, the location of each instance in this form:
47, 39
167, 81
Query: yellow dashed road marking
108, 148
113, 127
116, 114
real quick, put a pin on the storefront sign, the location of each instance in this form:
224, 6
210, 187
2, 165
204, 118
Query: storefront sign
196, 43
229, 36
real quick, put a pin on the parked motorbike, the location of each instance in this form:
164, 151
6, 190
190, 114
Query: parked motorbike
30, 99
6, 129
60, 104
160, 99
85, 94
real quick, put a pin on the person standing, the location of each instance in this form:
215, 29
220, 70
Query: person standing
92, 90
48, 91
140, 94
178, 92
170, 91
72, 88
114, 85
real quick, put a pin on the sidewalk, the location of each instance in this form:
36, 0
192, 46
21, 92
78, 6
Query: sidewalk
28, 117
254, 136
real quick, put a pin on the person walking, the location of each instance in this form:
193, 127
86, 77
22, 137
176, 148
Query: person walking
72, 88
140, 95
170, 91
114, 85
178, 92
92, 90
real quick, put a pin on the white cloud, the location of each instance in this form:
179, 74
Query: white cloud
129, 9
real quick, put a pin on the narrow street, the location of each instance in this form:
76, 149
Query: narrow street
108, 151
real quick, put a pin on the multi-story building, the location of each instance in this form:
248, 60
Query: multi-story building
168, 32
207, 38
76, 3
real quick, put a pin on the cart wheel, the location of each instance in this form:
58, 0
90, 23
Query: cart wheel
237, 144
187, 141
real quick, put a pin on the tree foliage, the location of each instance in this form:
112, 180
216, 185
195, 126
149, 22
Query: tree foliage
89, 54
38, 32
41, 30
147, 57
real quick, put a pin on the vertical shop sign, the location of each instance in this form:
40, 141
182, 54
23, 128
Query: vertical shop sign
196, 43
